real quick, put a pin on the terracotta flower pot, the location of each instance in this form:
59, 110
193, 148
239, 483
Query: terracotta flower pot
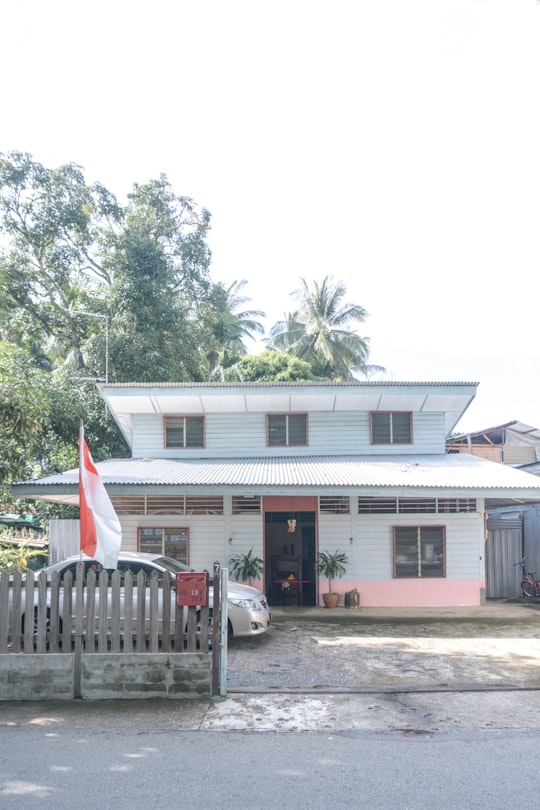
330, 599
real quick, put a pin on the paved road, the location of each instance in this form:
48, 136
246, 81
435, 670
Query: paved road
428, 745
48, 766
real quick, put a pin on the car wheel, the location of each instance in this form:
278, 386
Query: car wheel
35, 624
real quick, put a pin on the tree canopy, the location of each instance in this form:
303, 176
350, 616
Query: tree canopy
321, 330
91, 289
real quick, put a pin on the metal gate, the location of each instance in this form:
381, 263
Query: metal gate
504, 548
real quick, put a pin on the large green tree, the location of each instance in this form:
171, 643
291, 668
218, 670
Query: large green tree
25, 405
52, 224
322, 330
270, 365
78, 271
40, 413
160, 267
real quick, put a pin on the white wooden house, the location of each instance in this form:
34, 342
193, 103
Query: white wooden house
291, 469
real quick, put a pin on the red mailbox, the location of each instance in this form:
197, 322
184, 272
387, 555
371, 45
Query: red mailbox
191, 588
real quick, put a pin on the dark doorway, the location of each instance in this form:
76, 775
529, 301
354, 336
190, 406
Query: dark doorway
289, 552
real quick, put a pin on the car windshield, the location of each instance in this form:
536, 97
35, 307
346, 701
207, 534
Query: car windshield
173, 566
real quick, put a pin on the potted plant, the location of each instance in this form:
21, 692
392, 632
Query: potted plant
246, 567
332, 566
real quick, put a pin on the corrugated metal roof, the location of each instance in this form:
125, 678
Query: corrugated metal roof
515, 426
439, 471
288, 384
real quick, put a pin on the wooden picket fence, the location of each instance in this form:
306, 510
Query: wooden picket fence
105, 613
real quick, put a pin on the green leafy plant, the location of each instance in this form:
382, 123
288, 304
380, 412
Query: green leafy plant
246, 567
18, 557
332, 565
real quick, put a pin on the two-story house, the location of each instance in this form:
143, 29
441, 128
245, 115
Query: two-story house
292, 469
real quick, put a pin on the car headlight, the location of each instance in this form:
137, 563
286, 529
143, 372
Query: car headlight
250, 604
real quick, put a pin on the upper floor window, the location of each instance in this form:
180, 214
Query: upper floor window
184, 431
287, 429
391, 427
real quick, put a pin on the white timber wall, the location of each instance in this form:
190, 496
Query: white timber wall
208, 534
244, 434
371, 552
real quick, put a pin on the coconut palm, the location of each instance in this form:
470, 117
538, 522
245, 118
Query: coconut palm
228, 326
320, 331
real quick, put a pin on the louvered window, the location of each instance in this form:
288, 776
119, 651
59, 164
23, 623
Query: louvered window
168, 504
184, 431
287, 429
334, 505
387, 506
409, 505
129, 504
246, 504
165, 505
448, 505
391, 427
210, 505
419, 552
377, 506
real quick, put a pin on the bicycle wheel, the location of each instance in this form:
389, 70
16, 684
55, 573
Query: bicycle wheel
527, 588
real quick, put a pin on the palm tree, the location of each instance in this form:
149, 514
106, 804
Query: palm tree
229, 328
319, 332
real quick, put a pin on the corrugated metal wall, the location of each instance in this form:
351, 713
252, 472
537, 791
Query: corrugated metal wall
503, 549
531, 537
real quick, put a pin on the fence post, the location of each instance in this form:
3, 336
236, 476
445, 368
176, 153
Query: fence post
78, 647
216, 631
224, 632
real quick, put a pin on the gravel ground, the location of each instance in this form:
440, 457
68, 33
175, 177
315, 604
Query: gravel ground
311, 654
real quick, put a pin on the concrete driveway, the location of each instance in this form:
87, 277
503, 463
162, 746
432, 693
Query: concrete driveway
417, 674
315, 650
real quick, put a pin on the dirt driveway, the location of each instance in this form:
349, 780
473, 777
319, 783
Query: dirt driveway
320, 650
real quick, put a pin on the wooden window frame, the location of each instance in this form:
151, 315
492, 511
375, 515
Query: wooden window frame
286, 416
390, 414
165, 530
185, 417
419, 548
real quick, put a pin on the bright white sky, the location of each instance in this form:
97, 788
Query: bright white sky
394, 145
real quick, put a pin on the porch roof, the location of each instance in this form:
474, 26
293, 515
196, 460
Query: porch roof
360, 475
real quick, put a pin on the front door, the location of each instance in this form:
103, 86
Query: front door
290, 550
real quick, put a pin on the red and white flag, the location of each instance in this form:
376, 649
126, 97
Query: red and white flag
101, 533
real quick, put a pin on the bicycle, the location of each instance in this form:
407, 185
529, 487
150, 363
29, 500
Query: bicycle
530, 586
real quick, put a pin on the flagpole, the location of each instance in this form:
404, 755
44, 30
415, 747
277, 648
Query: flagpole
100, 529
81, 440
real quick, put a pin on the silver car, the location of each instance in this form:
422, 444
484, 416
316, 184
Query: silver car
248, 611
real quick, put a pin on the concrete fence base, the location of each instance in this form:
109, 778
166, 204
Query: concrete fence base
104, 676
